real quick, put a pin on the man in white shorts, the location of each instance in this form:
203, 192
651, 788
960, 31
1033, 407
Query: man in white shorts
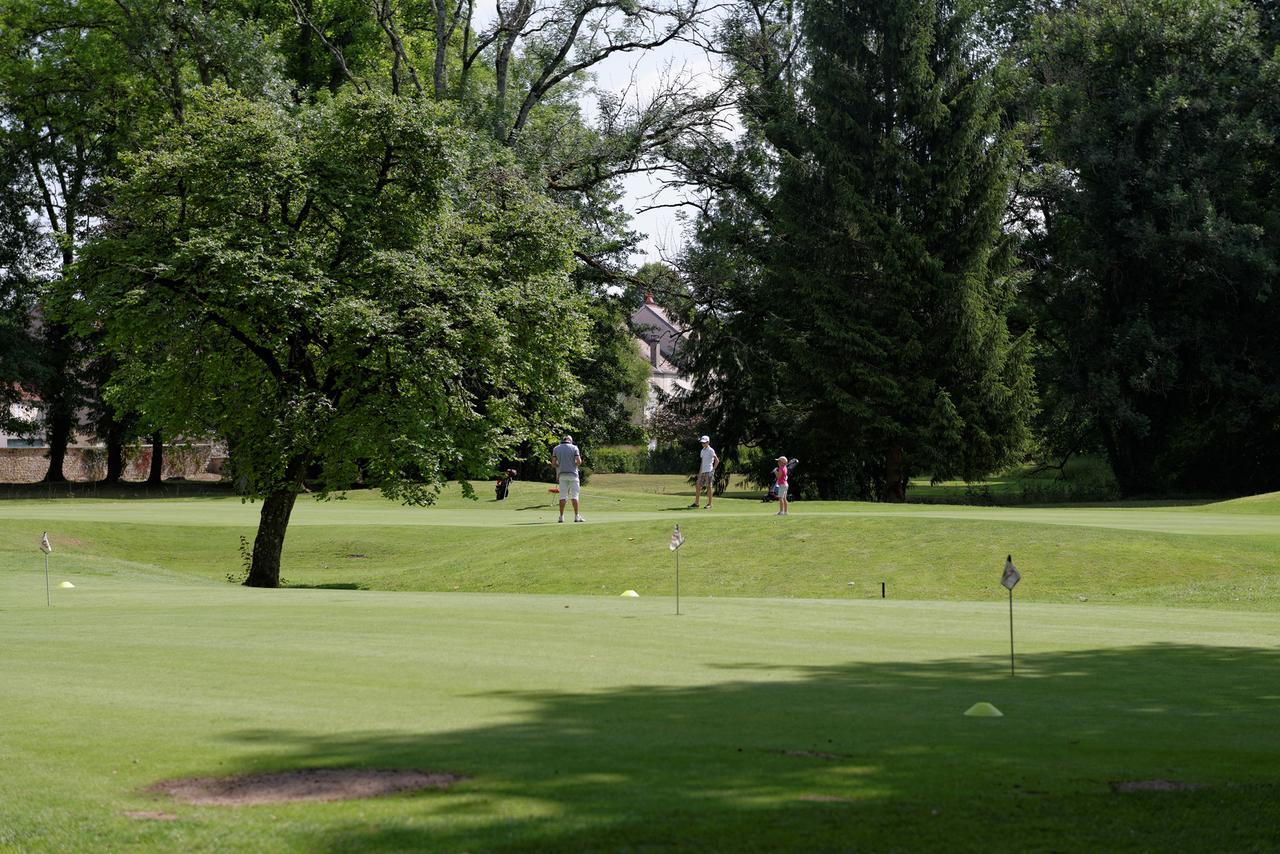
707, 462
566, 458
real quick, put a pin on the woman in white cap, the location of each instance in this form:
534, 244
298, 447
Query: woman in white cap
707, 462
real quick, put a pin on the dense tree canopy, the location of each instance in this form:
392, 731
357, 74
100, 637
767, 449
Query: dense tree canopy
1157, 236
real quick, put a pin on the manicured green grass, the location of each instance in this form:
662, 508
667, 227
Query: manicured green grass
1211, 555
820, 718
604, 723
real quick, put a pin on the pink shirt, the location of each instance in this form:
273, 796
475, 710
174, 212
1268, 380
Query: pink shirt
781, 474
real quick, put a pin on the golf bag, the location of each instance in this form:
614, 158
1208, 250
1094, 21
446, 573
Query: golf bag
503, 484
792, 492
772, 494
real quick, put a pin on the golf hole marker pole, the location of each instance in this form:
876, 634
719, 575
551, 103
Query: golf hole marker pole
1009, 579
677, 540
46, 548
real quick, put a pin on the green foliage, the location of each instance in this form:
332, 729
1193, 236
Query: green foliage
1158, 238
22, 254
620, 460
869, 337
665, 459
613, 373
353, 290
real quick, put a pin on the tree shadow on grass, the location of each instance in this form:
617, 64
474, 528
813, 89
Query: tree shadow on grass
337, 585
865, 755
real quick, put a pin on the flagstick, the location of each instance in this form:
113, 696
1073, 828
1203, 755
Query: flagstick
46, 581
1010, 631
677, 582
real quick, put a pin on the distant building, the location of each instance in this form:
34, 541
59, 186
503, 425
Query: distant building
31, 411
659, 340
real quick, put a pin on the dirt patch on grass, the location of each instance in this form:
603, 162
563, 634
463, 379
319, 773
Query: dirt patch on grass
315, 784
150, 815
1153, 786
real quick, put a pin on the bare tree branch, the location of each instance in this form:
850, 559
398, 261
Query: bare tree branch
304, 20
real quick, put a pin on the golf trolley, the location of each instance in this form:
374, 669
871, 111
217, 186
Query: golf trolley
503, 484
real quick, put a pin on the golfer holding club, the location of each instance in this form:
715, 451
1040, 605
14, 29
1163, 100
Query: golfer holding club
566, 458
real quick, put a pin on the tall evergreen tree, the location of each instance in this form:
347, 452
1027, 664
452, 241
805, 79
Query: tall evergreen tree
888, 273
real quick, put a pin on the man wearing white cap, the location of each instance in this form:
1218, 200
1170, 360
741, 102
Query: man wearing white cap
566, 458
707, 462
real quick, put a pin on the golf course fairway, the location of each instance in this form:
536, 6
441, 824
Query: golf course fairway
767, 716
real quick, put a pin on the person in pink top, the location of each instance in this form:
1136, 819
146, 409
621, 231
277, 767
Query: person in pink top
780, 478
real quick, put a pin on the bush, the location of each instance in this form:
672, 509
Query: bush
632, 459
623, 459
674, 459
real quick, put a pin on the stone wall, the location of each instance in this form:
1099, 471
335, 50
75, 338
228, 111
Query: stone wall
191, 462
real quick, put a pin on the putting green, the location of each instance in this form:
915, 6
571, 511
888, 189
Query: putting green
590, 722
605, 723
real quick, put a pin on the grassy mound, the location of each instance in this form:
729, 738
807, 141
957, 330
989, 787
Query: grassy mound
1213, 555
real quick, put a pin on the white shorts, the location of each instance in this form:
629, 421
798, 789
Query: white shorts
569, 487
782, 491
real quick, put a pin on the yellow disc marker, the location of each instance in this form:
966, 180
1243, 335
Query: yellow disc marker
630, 593
983, 710
67, 585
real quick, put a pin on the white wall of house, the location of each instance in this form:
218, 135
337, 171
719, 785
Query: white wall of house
26, 412
659, 340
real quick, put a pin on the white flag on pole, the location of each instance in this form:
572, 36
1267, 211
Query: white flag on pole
1011, 575
677, 539
44, 543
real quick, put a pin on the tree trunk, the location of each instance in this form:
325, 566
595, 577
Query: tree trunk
264, 571
1131, 461
59, 400
156, 476
500, 65
58, 431
438, 71
895, 479
115, 451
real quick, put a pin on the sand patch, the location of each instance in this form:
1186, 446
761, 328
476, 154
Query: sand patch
314, 784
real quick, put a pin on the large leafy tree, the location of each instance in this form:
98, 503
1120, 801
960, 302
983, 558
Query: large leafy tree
354, 290
59, 103
1157, 230
80, 82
